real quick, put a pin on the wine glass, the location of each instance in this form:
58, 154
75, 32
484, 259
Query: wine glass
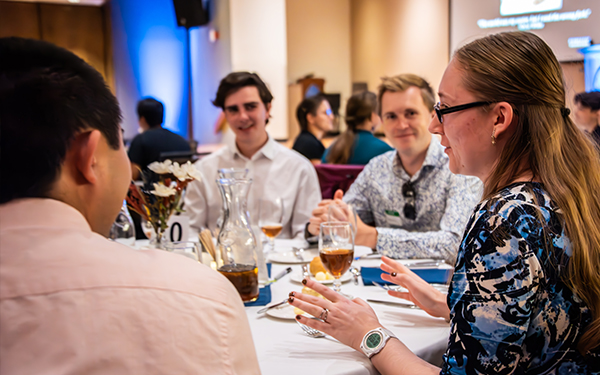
343, 212
123, 230
336, 249
270, 219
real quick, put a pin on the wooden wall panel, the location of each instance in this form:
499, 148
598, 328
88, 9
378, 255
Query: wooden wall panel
79, 29
19, 19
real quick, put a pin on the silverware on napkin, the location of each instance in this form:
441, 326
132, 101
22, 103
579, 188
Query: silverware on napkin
264, 309
396, 304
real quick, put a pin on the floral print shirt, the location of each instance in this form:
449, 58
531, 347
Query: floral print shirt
510, 311
443, 203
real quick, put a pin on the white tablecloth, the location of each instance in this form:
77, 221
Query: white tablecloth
283, 348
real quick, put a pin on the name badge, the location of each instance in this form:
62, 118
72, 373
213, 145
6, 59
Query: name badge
393, 218
179, 228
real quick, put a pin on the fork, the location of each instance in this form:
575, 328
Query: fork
311, 331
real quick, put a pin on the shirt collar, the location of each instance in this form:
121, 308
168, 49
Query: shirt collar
269, 150
435, 157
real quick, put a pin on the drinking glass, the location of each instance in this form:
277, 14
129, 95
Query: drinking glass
343, 212
185, 248
270, 219
123, 230
336, 249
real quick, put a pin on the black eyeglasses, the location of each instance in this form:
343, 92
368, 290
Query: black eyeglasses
410, 196
440, 112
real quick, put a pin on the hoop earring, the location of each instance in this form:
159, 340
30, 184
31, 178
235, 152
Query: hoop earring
493, 137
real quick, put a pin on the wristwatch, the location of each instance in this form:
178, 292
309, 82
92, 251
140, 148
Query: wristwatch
375, 340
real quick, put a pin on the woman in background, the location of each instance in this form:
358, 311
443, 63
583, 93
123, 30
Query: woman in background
525, 293
357, 145
315, 118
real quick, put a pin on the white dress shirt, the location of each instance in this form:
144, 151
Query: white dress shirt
276, 172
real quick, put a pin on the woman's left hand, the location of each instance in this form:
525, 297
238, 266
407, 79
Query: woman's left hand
347, 320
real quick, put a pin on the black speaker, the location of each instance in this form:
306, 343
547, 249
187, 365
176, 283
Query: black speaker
191, 13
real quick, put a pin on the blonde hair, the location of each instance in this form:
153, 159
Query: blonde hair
520, 68
403, 82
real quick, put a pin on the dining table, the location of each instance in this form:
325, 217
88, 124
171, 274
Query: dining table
283, 348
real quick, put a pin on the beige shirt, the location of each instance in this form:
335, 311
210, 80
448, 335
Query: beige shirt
73, 302
276, 172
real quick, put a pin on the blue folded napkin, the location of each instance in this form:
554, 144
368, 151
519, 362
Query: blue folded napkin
431, 275
264, 293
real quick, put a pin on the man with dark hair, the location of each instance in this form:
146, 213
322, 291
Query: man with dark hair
154, 139
72, 301
277, 172
408, 203
587, 113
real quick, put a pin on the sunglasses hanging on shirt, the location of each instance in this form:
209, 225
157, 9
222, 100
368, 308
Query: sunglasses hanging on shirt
410, 196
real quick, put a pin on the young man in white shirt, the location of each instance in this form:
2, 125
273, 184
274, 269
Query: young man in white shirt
409, 204
276, 171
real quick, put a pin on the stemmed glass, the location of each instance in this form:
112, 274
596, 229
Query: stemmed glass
336, 249
270, 218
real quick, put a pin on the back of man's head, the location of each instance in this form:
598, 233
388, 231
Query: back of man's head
152, 110
47, 96
401, 83
590, 100
235, 81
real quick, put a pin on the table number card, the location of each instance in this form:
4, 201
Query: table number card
178, 228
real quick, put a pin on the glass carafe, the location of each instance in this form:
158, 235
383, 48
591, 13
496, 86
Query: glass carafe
236, 242
234, 173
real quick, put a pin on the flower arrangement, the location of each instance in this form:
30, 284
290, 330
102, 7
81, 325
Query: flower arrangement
160, 195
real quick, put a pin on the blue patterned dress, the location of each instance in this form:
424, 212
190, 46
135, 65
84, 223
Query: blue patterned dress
510, 311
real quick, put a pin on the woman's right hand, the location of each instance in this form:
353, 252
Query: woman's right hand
419, 292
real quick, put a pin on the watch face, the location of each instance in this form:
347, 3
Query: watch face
373, 340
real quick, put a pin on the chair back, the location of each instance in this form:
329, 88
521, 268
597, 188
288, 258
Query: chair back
336, 176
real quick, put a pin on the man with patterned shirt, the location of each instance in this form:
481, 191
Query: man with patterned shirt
409, 204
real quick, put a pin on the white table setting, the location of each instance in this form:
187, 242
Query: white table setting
282, 346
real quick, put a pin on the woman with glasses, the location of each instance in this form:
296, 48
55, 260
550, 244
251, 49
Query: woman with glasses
357, 145
525, 294
315, 118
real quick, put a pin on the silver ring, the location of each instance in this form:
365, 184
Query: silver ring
324, 315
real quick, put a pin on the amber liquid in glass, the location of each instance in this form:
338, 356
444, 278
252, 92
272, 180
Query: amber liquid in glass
336, 261
271, 230
245, 279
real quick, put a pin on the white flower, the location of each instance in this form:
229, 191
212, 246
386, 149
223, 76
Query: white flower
179, 171
161, 168
191, 171
163, 191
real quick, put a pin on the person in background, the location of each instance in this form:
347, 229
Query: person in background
315, 118
71, 301
154, 139
275, 170
357, 145
587, 113
408, 203
525, 293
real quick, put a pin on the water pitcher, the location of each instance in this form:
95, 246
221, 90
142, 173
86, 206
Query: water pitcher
236, 242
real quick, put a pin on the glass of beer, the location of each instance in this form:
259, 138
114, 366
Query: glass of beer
270, 218
336, 249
